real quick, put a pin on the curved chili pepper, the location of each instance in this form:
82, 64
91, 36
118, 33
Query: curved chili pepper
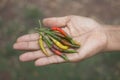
54, 28
66, 43
59, 54
69, 51
59, 34
42, 46
73, 42
65, 51
60, 45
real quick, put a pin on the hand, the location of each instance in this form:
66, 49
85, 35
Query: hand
88, 32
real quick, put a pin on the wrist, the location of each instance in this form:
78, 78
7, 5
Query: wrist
113, 38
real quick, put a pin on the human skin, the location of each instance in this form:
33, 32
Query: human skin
93, 37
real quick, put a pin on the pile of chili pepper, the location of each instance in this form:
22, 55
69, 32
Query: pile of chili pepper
57, 40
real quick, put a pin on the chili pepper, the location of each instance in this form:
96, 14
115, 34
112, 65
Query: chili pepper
67, 37
69, 51
42, 46
58, 34
54, 36
59, 54
60, 45
54, 28
49, 44
65, 51
66, 43
73, 42
65, 34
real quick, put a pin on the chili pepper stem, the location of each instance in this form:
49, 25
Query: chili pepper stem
40, 23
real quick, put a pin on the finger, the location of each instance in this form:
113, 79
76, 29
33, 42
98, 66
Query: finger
33, 45
56, 21
48, 60
28, 37
29, 56
55, 59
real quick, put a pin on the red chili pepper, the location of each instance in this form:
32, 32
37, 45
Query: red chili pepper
59, 54
56, 51
59, 30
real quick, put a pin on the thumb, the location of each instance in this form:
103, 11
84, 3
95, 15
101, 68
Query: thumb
56, 21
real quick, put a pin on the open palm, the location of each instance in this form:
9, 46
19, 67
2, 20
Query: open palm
88, 32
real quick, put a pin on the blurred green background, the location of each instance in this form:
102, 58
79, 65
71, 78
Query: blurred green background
18, 17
